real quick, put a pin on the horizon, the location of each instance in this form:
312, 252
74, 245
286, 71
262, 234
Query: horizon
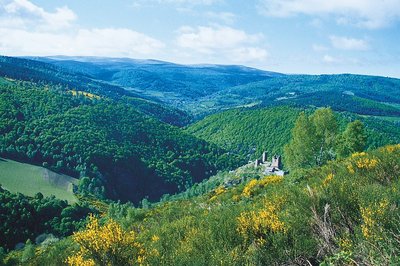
193, 65
308, 37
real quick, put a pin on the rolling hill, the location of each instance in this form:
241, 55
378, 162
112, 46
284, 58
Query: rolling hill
250, 132
124, 153
69, 79
206, 89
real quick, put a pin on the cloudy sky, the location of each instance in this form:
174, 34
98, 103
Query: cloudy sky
289, 36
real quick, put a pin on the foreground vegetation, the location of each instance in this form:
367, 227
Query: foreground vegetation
343, 213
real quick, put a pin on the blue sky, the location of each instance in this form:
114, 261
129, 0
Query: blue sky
289, 36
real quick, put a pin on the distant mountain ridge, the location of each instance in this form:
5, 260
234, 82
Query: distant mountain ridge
206, 89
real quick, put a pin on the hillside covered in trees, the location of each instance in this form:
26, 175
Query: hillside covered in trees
205, 89
121, 152
162, 183
250, 132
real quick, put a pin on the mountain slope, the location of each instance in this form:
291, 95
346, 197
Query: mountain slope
126, 152
343, 213
206, 89
250, 132
71, 79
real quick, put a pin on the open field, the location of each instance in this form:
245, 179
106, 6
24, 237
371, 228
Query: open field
30, 179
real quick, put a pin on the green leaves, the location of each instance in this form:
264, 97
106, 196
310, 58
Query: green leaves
316, 140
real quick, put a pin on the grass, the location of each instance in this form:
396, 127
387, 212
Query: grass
29, 180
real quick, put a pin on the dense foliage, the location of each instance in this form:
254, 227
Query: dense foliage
206, 89
250, 132
316, 140
125, 153
23, 218
48, 74
343, 213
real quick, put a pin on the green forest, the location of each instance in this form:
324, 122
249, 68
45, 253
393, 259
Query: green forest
119, 150
248, 133
157, 161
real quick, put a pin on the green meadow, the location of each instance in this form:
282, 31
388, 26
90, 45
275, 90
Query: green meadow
30, 179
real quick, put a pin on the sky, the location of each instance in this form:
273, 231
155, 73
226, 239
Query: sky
288, 36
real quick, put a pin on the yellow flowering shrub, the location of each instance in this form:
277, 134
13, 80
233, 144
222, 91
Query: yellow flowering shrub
392, 148
327, 180
366, 163
358, 154
108, 244
373, 217
248, 189
350, 168
251, 186
218, 191
272, 179
155, 238
258, 225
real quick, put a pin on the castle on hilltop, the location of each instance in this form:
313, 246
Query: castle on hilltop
272, 167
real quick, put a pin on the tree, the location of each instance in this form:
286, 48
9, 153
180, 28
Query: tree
325, 134
313, 140
300, 151
352, 140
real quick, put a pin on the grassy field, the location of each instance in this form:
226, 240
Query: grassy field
29, 180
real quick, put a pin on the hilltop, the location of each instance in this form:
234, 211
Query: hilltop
205, 89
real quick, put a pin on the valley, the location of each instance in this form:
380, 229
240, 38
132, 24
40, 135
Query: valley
154, 156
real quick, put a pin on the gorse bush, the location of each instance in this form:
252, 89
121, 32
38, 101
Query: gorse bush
343, 213
106, 244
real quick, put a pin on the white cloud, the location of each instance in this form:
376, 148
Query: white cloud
31, 15
191, 2
346, 43
31, 30
226, 17
330, 59
100, 42
248, 54
233, 44
340, 60
207, 39
364, 13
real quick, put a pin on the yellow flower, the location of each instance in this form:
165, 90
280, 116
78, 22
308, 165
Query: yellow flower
155, 238
327, 180
104, 244
248, 189
258, 224
272, 179
373, 216
366, 163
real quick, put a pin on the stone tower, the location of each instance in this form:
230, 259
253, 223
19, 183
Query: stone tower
276, 161
264, 157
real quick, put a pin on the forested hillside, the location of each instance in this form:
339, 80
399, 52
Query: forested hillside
124, 153
250, 132
206, 89
70, 79
343, 213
